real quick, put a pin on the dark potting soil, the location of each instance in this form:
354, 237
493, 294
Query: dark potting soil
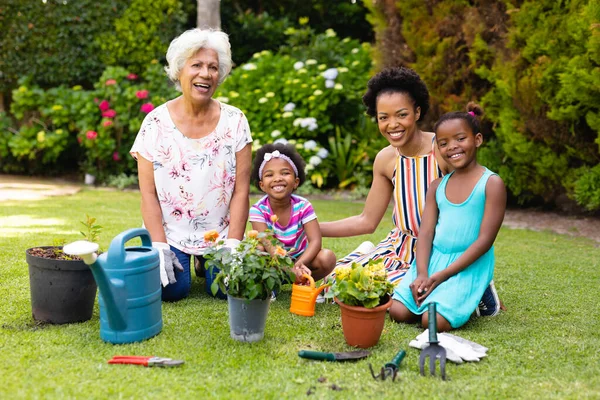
52, 252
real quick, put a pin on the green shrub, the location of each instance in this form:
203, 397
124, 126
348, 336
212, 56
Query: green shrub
250, 33
53, 41
290, 98
142, 34
103, 122
586, 189
534, 66
256, 26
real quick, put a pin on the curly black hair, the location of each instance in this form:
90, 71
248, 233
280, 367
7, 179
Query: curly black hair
471, 117
397, 80
285, 149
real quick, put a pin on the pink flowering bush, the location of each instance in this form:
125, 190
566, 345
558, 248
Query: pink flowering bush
98, 126
122, 101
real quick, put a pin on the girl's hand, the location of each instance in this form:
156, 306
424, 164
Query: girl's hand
299, 270
428, 286
416, 285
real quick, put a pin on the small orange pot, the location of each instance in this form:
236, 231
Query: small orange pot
305, 297
362, 326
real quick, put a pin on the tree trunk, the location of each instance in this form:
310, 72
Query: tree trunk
209, 14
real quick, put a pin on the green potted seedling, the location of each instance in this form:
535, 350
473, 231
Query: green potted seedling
62, 287
249, 275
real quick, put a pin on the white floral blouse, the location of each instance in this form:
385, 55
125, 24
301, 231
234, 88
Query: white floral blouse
194, 178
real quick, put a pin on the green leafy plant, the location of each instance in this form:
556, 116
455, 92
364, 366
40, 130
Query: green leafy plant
366, 286
249, 272
346, 156
92, 229
301, 93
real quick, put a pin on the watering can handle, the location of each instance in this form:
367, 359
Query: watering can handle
309, 279
116, 253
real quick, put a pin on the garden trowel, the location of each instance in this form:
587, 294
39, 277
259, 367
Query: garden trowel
343, 356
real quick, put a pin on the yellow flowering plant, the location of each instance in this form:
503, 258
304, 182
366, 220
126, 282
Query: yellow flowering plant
255, 268
366, 286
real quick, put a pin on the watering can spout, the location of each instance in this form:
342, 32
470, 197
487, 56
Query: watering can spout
113, 290
316, 291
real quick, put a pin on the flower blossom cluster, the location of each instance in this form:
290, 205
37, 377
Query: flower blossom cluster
309, 123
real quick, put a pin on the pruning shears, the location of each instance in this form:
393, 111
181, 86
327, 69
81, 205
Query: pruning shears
146, 361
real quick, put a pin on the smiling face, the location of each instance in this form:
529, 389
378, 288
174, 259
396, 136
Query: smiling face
278, 179
397, 118
457, 143
199, 76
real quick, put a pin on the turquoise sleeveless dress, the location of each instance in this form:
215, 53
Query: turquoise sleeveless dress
457, 228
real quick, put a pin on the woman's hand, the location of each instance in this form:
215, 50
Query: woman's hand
416, 285
428, 286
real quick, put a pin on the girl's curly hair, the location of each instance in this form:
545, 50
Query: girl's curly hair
397, 80
285, 149
471, 117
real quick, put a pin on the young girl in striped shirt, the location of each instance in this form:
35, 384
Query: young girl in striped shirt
278, 170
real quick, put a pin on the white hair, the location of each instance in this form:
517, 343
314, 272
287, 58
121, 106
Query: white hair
189, 42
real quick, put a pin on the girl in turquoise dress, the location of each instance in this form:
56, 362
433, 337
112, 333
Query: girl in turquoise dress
463, 214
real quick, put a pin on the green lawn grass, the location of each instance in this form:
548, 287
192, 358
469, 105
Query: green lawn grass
545, 346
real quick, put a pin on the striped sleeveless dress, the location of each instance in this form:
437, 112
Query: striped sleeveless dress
411, 179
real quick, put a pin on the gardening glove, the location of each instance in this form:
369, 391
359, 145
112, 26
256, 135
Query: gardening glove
231, 244
457, 348
168, 263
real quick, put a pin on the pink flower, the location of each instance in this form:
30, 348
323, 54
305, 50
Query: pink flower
96, 100
107, 123
109, 114
147, 107
79, 139
110, 82
104, 105
141, 94
91, 135
177, 213
132, 77
116, 156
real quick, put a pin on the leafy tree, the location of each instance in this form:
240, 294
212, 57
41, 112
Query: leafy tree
142, 34
53, 41
535, 67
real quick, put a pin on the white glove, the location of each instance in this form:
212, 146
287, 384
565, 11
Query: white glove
168, 261
457, 348
231, 244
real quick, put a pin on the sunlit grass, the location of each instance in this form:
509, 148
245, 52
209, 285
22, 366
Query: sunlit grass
545, 346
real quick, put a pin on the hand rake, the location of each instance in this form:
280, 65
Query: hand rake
434, 349
390, 369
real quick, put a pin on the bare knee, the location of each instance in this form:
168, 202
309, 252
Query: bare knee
442, 324
323, 264
399, 313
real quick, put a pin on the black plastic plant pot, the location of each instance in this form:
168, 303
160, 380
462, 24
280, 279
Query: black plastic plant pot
62, 291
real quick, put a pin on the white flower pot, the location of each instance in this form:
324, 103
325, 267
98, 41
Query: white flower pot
89, 179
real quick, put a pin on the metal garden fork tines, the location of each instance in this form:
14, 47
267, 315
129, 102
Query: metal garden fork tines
390, 369
434, 349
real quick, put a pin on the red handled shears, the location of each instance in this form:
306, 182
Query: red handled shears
146, 361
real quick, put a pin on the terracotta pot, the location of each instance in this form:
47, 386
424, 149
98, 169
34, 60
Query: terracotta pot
363, 326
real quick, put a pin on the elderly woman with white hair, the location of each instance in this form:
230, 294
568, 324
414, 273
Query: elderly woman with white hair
194, 157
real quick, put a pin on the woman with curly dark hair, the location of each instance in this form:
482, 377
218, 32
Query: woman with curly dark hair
278, 170
398, 99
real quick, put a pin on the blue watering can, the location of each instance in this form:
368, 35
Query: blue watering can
129, 283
